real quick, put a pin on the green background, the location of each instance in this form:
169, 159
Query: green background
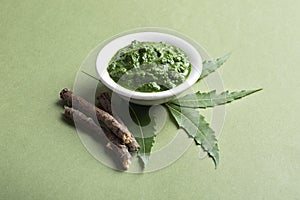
42, 45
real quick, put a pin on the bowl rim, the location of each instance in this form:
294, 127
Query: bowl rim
113, 45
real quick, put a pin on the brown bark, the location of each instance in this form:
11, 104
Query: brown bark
113, 143
105, 101
88, 109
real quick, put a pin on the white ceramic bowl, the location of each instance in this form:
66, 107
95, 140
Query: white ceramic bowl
143, 98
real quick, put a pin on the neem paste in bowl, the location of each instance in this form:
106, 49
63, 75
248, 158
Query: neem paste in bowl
149, 66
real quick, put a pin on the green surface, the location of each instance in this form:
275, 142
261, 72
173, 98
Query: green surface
42, 45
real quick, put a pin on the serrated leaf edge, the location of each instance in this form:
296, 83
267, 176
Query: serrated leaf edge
226, 93
143, 156
211, 154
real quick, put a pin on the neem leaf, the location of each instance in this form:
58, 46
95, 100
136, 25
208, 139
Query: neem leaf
146, 145
145, 134
210, 66
195, 125
211, 99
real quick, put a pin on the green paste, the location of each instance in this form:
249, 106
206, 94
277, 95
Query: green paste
149, 66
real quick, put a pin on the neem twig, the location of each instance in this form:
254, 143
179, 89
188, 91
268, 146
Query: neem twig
105, 101
88, 109
113, 142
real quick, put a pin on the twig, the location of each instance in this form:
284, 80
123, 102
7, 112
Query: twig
105, 101
113, 143
88, 109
